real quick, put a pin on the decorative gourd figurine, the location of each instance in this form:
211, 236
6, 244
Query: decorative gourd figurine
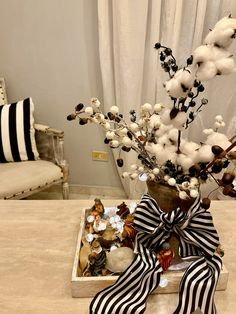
165, 256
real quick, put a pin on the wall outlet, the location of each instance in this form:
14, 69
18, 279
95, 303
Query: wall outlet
99, 155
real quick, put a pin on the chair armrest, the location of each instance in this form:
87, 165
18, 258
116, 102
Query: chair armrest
50, 144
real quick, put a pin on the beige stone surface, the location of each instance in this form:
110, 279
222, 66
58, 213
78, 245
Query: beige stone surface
37, 246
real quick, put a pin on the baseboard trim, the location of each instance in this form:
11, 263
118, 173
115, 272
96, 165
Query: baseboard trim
91, 190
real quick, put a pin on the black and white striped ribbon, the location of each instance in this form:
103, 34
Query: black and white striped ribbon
198, 237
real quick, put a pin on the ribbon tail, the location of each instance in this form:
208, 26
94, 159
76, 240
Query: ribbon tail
130, 292
198, 285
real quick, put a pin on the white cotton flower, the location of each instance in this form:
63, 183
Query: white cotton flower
125, 174
173, 88
155, 121
107, 126
183, 195
217, 124
193, 193
204, 154
226, 22
188, 148
173, 134
217, 138
146, 107
156, 171
95, 102
202, 54
220, 37
208, 131
127, 141
225, 66
114, 109
172, 182
219, 118
102, 226
158, 108
134, 127
141, 122
89, 110
179, 120
114, 143
163, 140
206, 71
134, 167
184, 161
110, 135
100, 117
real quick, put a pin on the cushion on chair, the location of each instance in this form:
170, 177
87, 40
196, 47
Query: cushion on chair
17, 134
25, 176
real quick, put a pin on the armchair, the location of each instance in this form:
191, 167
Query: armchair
21, 179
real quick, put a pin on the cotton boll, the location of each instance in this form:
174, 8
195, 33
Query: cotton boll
206, 71
155, 121
114, 109
158, 108
95, 102
184, 161
163, 140
165, 116
114, 143
107, 126
146, 107
185, 77
188, 148
185, 185
174, 89
134, 127
225, 22
220, 37
202, 54
110, 135
204, 154
208, 131
219, 118
166, 178
141, 122
218, 53
179, 120
173, 134
225, 66
217, 138
89, 110
127, 141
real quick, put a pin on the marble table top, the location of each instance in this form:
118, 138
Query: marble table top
37, 246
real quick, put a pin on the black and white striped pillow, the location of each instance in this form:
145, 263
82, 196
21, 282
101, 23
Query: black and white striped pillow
17, 134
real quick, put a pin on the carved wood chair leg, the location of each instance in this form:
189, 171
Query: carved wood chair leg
65, 190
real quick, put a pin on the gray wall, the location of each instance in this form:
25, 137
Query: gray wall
49, 51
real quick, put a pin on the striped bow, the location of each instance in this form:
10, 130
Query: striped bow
198, 237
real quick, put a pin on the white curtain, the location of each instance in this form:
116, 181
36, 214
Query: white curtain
131, 74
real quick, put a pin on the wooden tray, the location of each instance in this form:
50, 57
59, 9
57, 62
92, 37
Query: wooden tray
86, 287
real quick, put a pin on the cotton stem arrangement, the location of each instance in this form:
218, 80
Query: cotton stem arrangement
164, 155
